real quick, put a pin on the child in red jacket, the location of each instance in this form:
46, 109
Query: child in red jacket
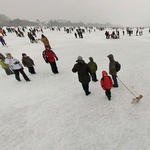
107, 84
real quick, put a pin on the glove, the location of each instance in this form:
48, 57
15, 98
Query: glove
17, 62
56, 58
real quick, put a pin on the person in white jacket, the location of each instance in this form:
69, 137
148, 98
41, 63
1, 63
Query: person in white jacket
16, 67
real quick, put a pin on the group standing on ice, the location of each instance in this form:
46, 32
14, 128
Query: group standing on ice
85, 71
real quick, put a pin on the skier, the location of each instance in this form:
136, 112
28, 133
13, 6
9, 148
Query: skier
49, 57
3, 41
93, 66
106, 84
28, 62
112, 70
16, 67
83, 71
5, 66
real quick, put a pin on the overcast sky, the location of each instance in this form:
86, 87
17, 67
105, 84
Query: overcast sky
124, 12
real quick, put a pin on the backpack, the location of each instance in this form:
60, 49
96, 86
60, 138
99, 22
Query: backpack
45, 57
118, 66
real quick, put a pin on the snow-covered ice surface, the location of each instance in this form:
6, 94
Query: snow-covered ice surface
52, 112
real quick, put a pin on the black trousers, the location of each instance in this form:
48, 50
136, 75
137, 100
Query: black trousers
8, 71
54, 67
115, 81
86, 88
31, 70
94, 78
16, 72
108, 93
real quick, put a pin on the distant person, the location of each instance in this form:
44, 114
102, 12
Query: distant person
31, 37
106, 84
3, 41
45, 41
93, 66
28, 62
123, 32
75, 35
16, 67
83, 71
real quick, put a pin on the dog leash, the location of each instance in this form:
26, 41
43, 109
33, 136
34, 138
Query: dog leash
127, 88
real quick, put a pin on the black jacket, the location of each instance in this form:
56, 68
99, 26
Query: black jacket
83, 71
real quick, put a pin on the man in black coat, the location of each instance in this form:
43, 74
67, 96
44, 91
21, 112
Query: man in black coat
83, 74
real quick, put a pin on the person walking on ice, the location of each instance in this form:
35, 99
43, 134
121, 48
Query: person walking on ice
106, 84
45, 41
28, 62
3, 41
49, 57
93, 67
83, 71
16, 67
112, 70
5, 66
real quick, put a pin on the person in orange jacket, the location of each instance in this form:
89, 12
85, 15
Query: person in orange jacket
106, 84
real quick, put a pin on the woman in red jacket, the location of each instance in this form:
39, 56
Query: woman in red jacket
107, 84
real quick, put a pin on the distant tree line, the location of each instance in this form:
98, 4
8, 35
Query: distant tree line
5, 21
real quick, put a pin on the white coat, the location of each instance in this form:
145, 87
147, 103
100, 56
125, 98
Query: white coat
13, 63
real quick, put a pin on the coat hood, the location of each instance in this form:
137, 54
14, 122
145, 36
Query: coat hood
80, 61
111, 57
91, 59
104, 72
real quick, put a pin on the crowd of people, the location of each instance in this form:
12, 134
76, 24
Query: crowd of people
86, 71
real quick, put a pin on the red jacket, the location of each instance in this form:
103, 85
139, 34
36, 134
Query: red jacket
51, 55
106, 81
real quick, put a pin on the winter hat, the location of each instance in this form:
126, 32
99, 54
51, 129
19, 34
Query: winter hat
42, 35
6, 54
23, 54
79, 58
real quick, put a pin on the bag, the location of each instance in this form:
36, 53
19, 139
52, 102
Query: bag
45, 57
118, 66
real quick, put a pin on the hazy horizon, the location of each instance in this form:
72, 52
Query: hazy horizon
126, 13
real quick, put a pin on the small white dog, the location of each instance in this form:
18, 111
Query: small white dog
137, 99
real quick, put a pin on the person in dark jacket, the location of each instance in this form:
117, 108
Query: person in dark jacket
3, 41
106, 84
49, 57
83, 71
112, 70
28, 62
31, 37
93, 67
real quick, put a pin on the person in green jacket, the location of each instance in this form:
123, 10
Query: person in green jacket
28, 62
5, 66
93, 66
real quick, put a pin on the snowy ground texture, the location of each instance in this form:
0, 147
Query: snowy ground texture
52, 112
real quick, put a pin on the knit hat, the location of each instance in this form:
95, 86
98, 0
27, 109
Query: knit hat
79, 58
6, 54
42, 35
23, 54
